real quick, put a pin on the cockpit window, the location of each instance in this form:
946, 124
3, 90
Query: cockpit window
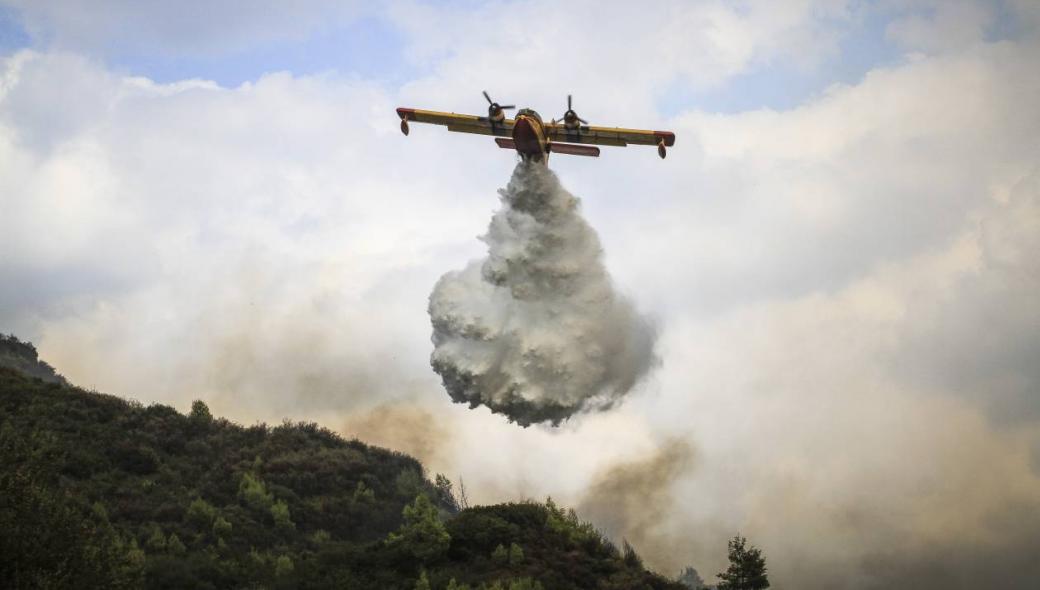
530, 113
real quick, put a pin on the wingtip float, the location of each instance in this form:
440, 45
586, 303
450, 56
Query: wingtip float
534, 139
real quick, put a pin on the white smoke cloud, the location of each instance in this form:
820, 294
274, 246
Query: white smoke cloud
536, 330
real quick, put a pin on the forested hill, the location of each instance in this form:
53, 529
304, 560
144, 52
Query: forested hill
97, 491
23, 356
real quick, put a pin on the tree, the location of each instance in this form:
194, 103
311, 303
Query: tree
423, 534
134, 558
409, 483
175, 545
221, 528
516, 554
691, 579
500, 554
157, 541
283, 566
423, 583
200, 413
630, 556
747, 567
446, 494
48, 541
463, 501
363, 493
201, 514
280, 514
253, 491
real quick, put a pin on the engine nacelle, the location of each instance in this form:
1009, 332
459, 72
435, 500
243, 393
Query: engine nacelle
571, 120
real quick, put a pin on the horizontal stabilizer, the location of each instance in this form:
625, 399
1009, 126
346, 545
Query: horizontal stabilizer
505, 142
574, 150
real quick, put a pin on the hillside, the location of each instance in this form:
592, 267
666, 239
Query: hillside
23, 356
97, 491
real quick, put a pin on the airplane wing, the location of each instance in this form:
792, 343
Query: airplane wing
616, 136
455, 122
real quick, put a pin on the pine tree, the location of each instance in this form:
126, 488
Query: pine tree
252, 490
200, 416
516, 554
691, 579
363, 493
175, 545
201, 514
422, 534
446, 494
747, 567
280, 514
283, 566
423, 583
221, 528
157, 541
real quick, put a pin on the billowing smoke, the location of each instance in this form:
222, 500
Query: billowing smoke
635, 501
536, 330
402, 426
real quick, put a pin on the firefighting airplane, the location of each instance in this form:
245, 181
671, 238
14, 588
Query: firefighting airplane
532, 138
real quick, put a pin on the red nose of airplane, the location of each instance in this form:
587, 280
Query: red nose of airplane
525, 137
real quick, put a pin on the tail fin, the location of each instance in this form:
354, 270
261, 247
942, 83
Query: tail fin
574, 149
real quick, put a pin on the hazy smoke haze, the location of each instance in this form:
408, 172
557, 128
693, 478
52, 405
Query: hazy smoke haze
536, 330
633, 500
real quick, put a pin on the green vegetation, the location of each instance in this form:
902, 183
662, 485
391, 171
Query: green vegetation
96, 491
689, 578
747, 567
23, 356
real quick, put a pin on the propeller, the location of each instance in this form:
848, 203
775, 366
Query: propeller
570, 117
495, 109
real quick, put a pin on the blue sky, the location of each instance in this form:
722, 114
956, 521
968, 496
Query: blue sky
13, 35
373, 46
782, 85
368, 48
